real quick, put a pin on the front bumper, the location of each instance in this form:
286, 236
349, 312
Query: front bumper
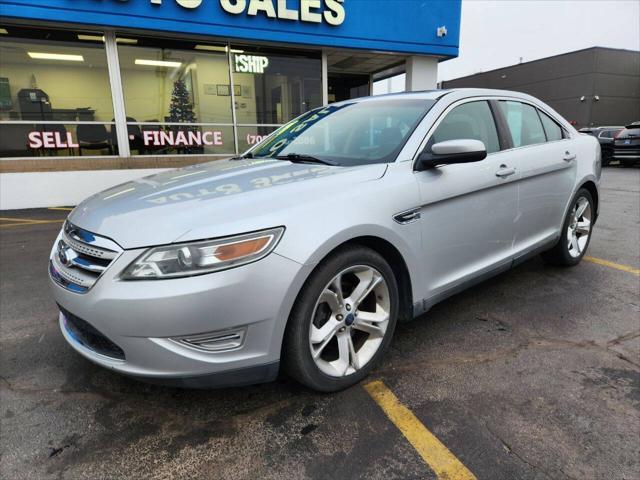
144, 319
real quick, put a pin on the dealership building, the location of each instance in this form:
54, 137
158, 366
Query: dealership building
591, 87
97, 92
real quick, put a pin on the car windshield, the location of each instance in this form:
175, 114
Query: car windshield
630, 131
348, 134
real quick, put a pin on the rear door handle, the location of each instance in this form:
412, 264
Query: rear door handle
505, 171
568, 156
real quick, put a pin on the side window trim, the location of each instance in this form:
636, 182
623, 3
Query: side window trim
544, 130
504, 134
434, 127
500, 124
507, 133
562, 130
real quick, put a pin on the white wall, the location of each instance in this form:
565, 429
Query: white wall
394, 84
422, 73
51, 189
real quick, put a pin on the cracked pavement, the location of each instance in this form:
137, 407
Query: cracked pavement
534, 374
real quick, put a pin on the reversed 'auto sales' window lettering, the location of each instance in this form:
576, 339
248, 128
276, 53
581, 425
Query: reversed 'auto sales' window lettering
351, 133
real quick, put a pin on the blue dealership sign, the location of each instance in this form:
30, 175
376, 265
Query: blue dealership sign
403, 26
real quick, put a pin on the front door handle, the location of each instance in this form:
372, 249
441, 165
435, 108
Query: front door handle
505, 171
568, 156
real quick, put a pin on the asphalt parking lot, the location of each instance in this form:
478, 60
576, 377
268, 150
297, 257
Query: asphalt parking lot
534, 374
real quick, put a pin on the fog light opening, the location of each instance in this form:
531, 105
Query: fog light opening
215, 342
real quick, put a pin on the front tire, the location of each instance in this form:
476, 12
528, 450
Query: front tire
576, 232
342, 321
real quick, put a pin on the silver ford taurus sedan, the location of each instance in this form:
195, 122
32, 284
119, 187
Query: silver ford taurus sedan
306, 251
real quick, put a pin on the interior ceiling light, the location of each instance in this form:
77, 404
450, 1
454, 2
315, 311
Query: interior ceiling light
158, 63
213, 48
98, 38
56, 56
130, 41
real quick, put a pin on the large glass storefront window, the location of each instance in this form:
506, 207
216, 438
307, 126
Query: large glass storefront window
274, 87
177, 97
55, 95
180, 97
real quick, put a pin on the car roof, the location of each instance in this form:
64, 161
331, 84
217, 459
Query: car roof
593, 129
454, 94
437, 94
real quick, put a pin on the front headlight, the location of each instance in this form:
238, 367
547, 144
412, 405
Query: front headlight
196, 258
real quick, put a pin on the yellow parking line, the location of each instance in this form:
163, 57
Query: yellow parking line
28, 220
66, 209
617, 266
445, 465
17, 222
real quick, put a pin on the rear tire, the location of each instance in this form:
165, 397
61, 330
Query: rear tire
576, 232
342, 321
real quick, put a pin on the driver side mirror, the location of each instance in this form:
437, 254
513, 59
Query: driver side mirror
450, 152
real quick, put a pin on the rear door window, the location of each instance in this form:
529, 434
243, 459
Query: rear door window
469, 121
551, 128
524, 123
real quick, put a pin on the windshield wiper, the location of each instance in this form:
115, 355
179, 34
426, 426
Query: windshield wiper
300, 158
243, 157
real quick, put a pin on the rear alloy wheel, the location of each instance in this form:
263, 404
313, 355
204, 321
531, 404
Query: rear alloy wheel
343, 320
579, 229
576, 232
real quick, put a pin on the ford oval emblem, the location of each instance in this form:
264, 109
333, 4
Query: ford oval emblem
62, 254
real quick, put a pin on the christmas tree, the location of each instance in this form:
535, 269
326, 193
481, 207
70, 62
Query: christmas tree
181, 111
181, 108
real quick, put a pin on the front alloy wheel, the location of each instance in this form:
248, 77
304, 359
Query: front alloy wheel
342, 321
349, 321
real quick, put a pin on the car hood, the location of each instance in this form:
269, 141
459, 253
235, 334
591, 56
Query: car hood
219, 198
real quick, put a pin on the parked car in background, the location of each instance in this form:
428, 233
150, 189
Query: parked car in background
605, 136
626, 145
305, 251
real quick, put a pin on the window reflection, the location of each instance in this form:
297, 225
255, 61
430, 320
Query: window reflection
274, 87
58, 80
175, 82
179, 96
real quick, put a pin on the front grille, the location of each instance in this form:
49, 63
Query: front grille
85, 334
80, 257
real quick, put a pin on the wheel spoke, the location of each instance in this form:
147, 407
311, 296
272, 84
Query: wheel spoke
369, 328
325, 332
337, 288
380, 315
355, 363
584, 227
342, 363
365, 278
330, 298
373, 284
318, 351
582, 242
581, 207
574, 243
